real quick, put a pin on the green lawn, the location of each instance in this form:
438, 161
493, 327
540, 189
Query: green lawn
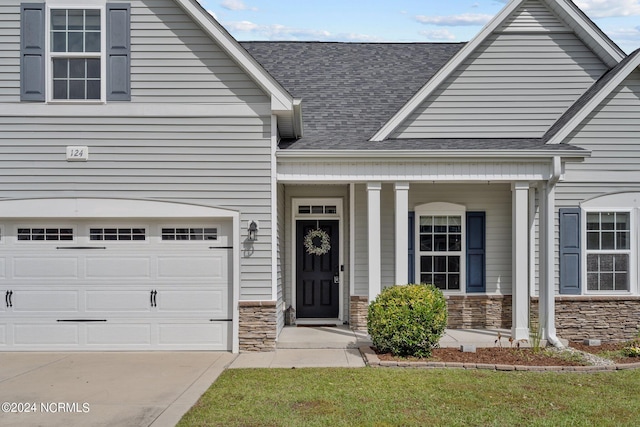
416, 397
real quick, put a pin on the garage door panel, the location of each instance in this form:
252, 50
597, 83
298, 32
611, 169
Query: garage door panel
45, 268
38, 334
207, 303
120, 335
212, 266
212, 336
118, 301
151, 294
34, 301
118, 267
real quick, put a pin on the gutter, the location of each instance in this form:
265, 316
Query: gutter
431, 154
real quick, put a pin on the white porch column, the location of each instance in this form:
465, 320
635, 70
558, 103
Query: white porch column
375, 252
520, 260
546, 301
401, 234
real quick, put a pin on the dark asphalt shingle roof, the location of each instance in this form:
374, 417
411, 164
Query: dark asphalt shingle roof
350, 90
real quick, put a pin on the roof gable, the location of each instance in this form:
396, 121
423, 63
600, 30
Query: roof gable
282, 103
516, 15
590, 100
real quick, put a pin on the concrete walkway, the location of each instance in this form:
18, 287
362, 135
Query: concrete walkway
328, 347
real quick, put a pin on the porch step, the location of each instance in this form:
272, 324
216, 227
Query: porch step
321, 337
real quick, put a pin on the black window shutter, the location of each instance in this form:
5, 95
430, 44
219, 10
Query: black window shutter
412, 250
118, 52
570, 251
32, 52
476, 257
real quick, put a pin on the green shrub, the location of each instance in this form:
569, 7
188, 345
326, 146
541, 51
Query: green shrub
407, 320
632, 349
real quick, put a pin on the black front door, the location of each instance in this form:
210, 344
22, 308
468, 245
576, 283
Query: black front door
317, 278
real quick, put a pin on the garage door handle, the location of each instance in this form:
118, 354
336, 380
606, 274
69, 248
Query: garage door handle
153, 298
81, 247
8, 297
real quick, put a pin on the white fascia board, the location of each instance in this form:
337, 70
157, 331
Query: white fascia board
311, 155
422, 94
569, 12
134, 110
281, 100
578, 118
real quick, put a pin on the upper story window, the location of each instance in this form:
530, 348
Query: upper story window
76, 54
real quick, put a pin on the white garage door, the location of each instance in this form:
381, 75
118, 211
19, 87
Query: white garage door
115, 285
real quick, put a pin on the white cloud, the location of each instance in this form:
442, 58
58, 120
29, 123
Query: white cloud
455, 20
236, 5
609, 8
438, 35
282, 32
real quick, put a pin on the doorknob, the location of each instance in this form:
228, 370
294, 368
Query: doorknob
336, 278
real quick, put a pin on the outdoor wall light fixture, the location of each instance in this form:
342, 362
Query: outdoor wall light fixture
253, 231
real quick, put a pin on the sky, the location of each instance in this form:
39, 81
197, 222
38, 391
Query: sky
396, 20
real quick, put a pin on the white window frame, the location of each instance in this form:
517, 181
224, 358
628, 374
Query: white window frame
442, 209
74, 230
125, 224
632, 251
86, 4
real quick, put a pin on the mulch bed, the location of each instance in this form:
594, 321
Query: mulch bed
493, 355
516, 356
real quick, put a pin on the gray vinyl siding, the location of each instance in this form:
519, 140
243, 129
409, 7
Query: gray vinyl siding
281, 247
494, 199
205, 158
516, 84
172, 59
611, 132
361, 261
10, 52
190, 160
533, 15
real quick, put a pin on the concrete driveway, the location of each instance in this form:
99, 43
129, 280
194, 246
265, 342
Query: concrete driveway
104, 389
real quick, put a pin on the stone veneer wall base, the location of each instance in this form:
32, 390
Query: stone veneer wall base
358, 309
258, 328
607, 318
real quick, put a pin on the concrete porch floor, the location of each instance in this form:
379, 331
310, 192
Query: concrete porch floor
341, 337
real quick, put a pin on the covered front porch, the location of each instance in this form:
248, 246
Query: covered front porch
343, 337
480, 229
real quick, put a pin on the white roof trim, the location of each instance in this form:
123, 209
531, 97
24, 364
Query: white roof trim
604, 91
614, 53
428, 154
421, 96
281, 100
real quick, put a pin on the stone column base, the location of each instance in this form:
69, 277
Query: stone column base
358, 309
257, 329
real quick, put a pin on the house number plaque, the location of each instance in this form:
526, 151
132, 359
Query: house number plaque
77, 153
